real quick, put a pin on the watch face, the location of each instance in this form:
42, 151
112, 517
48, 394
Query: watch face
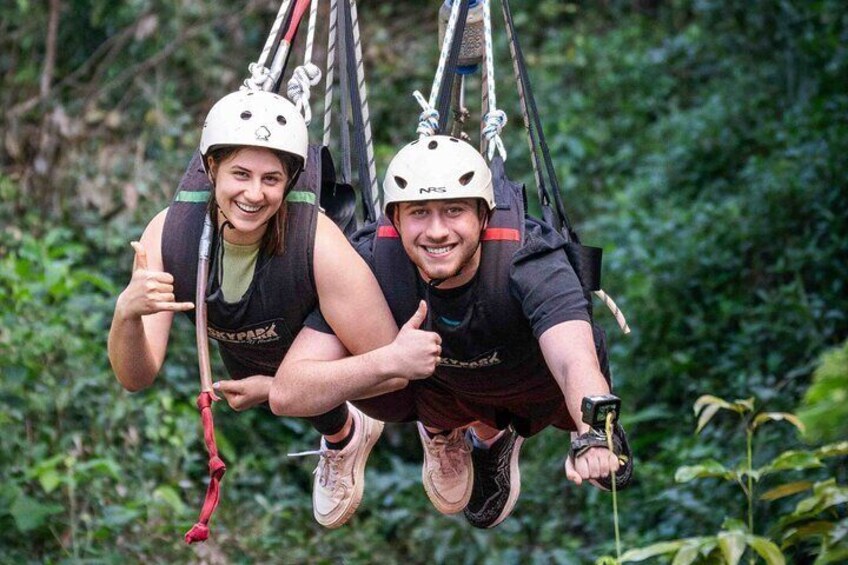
603, 410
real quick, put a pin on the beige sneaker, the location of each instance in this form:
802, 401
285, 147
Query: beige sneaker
340, 474
447, 474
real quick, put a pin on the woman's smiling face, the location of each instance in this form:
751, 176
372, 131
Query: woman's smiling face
250, 185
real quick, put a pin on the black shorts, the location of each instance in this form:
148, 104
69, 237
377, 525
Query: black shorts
436, 404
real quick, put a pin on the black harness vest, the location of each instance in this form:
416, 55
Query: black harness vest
254, 333
494, 335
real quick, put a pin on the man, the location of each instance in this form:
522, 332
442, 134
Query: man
517, 347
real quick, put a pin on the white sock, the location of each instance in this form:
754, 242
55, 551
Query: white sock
485, 443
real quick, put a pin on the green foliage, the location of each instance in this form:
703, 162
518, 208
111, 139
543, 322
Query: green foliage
701, 143
825, 406
730, 544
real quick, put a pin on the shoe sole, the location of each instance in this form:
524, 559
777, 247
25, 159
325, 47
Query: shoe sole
514, 483
375, 429
445, 508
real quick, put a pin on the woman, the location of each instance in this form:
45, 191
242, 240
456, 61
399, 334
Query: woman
275, 258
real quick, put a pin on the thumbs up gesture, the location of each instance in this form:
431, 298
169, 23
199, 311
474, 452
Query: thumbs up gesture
150, 291
417, 350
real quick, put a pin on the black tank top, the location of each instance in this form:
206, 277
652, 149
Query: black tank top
255, 332
492, 337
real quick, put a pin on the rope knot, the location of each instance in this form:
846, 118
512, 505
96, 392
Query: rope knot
428, 120
259, 76
495, 121
298, 91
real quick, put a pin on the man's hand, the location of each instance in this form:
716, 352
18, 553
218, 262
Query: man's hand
148, 292
245, 393
594, 463
417, 351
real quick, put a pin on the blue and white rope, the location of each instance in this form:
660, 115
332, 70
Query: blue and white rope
425, 120
428, 120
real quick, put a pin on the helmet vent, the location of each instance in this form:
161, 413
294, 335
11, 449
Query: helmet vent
246, 115
281, 120
401, 182
466, 178
455, 140
433, 144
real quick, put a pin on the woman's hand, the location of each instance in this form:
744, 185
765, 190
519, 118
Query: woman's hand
246, 393
149, 291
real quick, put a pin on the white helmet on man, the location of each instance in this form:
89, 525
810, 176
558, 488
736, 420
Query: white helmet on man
438, 167
255, 118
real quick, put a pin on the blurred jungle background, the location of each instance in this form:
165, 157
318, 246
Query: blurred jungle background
701, 143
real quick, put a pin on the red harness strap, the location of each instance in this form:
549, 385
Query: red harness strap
489, 234
217, 468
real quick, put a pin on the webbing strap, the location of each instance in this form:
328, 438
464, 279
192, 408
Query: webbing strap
301, 196
536, 134
489, 234
193, 196
443, 98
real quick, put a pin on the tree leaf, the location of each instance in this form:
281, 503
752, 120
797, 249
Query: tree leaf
732, 545
833, 450
170, 497
709, 400
710, 468
661, 548
767, 550
777, 417
687, 554
706, 415
788, 489
30, 514
797, 460
49, 479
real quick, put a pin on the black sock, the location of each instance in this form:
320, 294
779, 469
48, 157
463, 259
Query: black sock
343, 443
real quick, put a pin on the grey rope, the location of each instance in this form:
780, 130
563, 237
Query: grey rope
366, 118
308, 74
331, 65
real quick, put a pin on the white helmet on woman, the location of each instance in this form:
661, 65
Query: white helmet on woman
255, 118
438, 167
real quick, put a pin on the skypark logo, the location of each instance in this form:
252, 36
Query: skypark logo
485, 360
262, 334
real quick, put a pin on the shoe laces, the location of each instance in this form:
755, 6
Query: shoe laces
329, 468
449, 451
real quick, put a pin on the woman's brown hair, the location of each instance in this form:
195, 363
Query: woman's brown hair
273, 240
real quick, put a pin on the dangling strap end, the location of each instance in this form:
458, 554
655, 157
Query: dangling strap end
198, 532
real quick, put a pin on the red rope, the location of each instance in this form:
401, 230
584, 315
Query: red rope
217, 468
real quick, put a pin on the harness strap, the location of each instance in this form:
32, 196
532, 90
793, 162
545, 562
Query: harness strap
489, 234
586, 260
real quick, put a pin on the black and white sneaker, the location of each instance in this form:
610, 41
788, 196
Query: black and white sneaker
497, 481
